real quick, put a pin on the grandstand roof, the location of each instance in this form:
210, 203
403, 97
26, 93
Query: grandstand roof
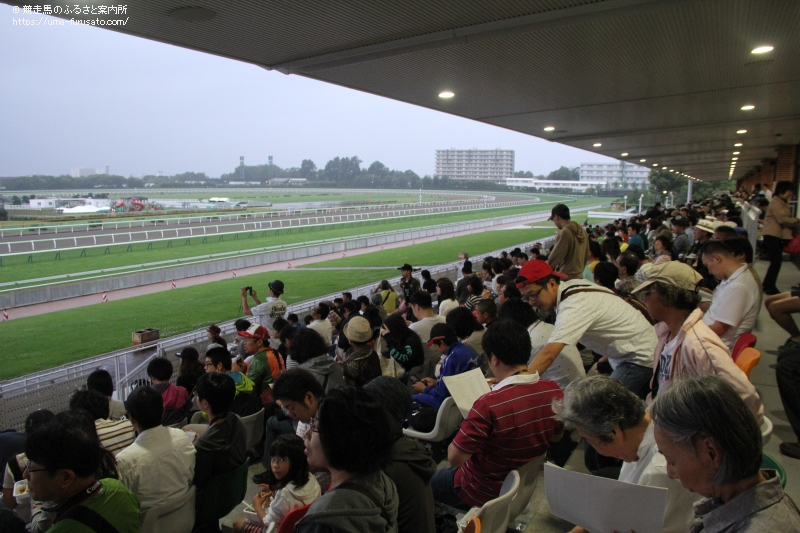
661, 80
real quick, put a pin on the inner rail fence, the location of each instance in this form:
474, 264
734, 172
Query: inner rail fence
51, 389
74, 288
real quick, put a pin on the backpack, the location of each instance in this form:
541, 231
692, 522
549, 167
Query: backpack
633, 302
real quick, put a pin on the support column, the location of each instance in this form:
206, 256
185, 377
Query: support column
689, 192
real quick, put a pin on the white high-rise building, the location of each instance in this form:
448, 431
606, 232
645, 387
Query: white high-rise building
490, 165
620, 175
82, 172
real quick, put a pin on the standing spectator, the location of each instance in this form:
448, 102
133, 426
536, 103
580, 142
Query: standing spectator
190, 369
223, 446
712, 444
787, 371
265, 313
421, 306
778, 224
100, 380
114, 435
447, 296
737, 300
388, 296
505, 429
427, 283
571, 250
360, 363
686, 346
408, 286
410, 465
63, 461
175, 399
159, 465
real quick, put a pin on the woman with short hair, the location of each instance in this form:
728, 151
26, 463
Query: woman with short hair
712, 444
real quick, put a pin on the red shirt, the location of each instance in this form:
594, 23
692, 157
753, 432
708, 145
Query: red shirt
506, 428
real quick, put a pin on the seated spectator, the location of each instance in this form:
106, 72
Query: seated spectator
265, 366
475, 290
294, 320
712, 444
737, 300
614, 421
635, 236
596, 255
610, 247
16, 464
486, 312
294, 486
447, 296
223, 446
662, 249
462, 293
159, 465
567, 366
627, 264
505, 429
310, 351
349, 310
247, 400
509, 291
176, 399
190, 369
114, 435
240, 325
350, 438
402, 344
360, 364
377, 303
410, 465
63, 461
100, 380
606, 275
213, 333
428, 284
321, 324
431, 392
422, 309
469, 331
286, 335
681, 243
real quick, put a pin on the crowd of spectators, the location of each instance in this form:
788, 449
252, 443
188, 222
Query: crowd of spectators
649, 308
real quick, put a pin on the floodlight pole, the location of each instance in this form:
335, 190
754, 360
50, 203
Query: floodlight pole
625, 205
641, 197
420, 196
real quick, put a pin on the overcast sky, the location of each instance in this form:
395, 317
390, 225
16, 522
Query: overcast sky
77, 96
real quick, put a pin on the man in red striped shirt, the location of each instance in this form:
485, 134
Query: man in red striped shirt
506, 428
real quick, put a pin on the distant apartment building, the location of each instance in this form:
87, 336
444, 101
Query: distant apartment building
489, 165
82, 172
620, 175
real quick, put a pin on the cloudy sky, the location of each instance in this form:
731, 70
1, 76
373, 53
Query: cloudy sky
80, 96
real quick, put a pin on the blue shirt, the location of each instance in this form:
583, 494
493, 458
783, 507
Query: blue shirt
637, 240
459, 358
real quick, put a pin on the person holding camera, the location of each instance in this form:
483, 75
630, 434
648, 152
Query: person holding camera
265, 313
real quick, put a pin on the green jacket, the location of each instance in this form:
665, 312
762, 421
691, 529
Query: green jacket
260, 372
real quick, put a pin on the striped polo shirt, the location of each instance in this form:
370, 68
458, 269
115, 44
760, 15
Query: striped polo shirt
506, 428
115, 435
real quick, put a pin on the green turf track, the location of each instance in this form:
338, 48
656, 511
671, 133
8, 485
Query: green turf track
16, 268
84, 332
445, 250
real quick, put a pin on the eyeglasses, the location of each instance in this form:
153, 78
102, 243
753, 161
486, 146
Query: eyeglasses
532, 298
32, 470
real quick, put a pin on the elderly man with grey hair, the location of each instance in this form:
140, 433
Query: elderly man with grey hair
687, 346
712, 445
614, 421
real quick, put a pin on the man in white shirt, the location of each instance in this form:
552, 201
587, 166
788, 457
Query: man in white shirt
159, 465
595, 317
422, 307
737, 300
321, 324
614, 421
273, 308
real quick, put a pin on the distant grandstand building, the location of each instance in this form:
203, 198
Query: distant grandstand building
489, 165
620, 175
82, 172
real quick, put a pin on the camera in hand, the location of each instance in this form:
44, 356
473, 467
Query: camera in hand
249, 290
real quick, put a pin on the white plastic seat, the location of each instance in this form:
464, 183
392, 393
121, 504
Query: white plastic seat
528, 474
448, 420
173, 515
766, 431
254, 424
495, 514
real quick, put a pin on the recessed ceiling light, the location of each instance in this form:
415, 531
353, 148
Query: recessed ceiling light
738, 144
624, 154
550, 128
734, 159
655, 164
642, 160
748, 107
735, 153
741, 131
762, 49
597, 144
446, 94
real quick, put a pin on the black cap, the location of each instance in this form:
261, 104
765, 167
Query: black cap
276, 286
405, 267
560, 210
188, 353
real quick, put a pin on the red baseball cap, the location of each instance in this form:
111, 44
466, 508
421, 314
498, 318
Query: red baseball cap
255, 332
533, 271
